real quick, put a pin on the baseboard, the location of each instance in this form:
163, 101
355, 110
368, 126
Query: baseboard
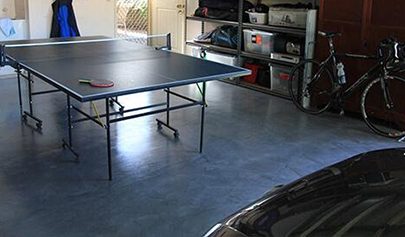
7, 76
7, 72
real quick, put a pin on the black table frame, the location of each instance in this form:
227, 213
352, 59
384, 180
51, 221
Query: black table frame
108, 116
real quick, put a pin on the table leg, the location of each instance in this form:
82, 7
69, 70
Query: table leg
107, 127
69, 114
160, 123
30, 114
168, 106
204, 89
69, 143
19, 90
30, 93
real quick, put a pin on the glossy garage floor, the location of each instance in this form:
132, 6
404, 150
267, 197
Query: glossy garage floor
161, 187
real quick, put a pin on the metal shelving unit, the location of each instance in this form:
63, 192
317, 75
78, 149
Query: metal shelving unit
276, 29
213, 47
202, 19
308, 34
265, 58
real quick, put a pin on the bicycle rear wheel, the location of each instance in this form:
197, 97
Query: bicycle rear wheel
311, 87
383, 119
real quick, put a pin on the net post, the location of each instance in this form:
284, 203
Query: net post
169, 41
3, 55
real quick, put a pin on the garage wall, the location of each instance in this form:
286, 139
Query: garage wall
94, 17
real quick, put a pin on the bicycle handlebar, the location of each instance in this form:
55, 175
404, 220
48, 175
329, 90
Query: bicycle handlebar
389, 52
350, 55
329, 34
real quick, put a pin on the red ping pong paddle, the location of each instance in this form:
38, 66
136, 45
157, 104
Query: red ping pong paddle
98, 83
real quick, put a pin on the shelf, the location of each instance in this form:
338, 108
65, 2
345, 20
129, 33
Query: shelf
307, 34
266, 58
255, 87
277, 29
202, 19
213, 47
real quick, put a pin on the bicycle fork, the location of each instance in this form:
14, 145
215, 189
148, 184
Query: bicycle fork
387, 96
388, 99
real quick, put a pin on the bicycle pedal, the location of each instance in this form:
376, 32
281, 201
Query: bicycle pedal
336, 89
342, 113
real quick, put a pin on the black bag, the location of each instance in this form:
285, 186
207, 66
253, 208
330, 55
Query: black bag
222, 10
293, 6
219, 14
222, 4
225, 36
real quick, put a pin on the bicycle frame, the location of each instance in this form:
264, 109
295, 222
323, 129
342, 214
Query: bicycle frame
330, 60
331, 63
379, 70
369, 75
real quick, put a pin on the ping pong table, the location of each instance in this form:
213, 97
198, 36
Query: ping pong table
133, 68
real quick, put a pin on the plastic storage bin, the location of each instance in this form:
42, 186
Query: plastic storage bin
288, 17
196, 51
258, 18
279, 78
259, 42
214, 56
221, 58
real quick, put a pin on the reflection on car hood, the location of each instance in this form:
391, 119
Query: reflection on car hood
361, 196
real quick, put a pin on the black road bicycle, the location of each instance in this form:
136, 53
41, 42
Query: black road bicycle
316, 86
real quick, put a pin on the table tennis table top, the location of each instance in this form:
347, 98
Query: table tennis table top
133, 68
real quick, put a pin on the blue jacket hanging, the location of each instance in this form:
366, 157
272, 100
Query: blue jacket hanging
64, 20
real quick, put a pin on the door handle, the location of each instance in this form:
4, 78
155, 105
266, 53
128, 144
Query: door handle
181, 6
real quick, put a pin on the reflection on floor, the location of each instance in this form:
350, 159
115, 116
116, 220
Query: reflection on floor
162, 187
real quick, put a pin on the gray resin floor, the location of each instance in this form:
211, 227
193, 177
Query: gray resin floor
161, 187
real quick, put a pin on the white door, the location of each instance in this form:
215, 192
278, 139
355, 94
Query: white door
168, 16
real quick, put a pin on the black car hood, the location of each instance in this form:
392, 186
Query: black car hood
361, 196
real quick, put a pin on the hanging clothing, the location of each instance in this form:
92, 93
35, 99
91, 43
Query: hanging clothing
64, 20
7, 27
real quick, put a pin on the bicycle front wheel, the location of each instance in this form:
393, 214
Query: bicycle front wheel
383, 106
311, 87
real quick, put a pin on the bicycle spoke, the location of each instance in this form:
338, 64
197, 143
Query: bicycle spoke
315, 95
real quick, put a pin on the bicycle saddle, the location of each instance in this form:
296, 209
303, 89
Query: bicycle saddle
329, 34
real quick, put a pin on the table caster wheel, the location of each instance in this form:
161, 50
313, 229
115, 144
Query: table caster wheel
176, 135
121, 111
111, 103
39, 125
24, 117
159, 126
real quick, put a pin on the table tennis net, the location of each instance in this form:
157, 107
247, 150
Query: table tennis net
156, 41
